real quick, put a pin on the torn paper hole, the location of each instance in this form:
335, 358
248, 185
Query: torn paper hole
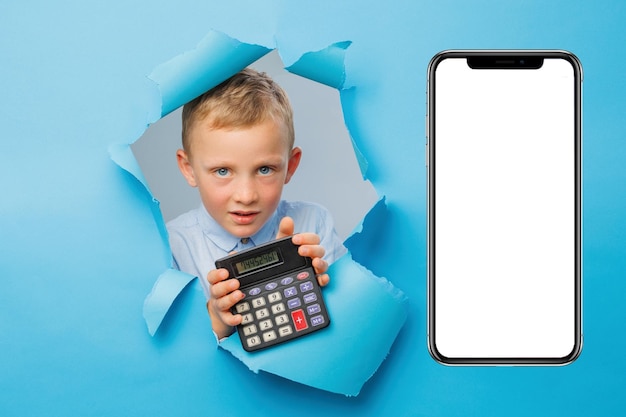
329, 173
342, 369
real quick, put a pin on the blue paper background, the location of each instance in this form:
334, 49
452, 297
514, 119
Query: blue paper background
79, 248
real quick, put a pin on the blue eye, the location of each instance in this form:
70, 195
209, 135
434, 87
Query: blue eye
265, 170
221, 172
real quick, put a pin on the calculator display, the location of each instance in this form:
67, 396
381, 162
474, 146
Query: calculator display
258, 262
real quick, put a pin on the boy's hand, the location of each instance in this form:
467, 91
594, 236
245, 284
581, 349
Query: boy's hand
224, 294
309, 246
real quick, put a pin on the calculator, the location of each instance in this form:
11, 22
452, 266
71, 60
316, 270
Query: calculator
282, 300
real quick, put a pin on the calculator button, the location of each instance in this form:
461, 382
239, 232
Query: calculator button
290, 292
285, 331
270, 286
248, 330
314, 309
246, 318
275, 296
309, 298
298, 320
293, 303
254, 291
282, 319
317, 320
303, 275
258, 302
306, 286
242, 307
253, 341
286, 280
266, 324
278, 308
269, 336
262, 313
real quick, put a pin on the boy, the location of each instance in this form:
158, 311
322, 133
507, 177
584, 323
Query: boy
238, 151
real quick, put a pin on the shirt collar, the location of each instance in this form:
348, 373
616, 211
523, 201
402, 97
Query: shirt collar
227, 242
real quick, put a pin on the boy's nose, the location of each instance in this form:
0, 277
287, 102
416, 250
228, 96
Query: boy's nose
245, 193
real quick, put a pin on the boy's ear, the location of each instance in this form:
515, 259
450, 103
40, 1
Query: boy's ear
185, 167
294, 161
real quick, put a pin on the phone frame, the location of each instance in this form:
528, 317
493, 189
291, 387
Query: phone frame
509, 56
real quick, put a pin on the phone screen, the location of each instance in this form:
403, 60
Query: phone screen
504, 178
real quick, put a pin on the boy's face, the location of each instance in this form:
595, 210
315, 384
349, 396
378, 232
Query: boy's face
240, 173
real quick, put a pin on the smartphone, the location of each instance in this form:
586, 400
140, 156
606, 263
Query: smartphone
503, 147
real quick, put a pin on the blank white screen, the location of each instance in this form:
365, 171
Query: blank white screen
505, 210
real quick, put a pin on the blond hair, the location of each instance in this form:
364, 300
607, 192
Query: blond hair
244, 100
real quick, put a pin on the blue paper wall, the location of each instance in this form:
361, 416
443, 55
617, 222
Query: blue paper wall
79, 247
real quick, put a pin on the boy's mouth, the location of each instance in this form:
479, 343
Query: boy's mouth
243, 217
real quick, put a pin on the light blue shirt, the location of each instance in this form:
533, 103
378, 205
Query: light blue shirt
197, 240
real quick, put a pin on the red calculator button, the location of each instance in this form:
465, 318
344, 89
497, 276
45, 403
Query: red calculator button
298, 320
302, 275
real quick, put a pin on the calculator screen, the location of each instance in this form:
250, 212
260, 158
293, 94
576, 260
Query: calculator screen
257, 262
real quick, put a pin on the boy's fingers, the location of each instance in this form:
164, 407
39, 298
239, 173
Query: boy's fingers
323, 280
306, 239
217, 275
285, 227
225, 317
223, 304
224, 288
311, 251
232, 320
320, 265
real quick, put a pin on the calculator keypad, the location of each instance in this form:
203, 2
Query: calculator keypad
281, 309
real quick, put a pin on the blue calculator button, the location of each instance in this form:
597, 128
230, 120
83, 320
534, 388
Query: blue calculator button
313, 309
306, 286
317, 320
270, 286
309, 298
286, 280
254, 291
290, 292
293, 303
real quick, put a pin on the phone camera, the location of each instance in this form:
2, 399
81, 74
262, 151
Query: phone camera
522, 62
